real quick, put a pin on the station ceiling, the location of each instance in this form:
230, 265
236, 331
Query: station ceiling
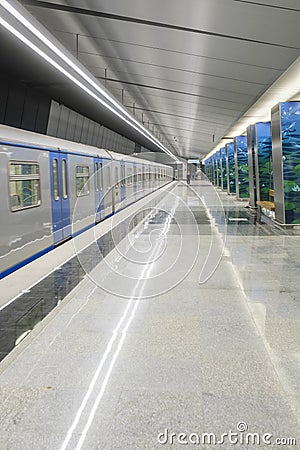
188, 69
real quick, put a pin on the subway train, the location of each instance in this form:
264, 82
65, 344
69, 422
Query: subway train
53, 189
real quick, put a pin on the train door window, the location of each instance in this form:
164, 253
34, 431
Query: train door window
134, 174
55, 179
64, 178
100, 176
129, 177
123, 175
97, 177
24, 185
116, 177
108, 177
82, 180
140, 176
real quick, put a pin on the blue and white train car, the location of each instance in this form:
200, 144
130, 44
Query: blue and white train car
54, 189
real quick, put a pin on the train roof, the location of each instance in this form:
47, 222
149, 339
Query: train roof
131, 158
16, 135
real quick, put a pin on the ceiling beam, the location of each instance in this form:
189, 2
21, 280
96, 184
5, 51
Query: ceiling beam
110, 16
195, 119
159, 88
168, 50
268, 5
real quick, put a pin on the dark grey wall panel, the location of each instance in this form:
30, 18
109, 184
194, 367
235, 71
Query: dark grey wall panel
3, 100
30, 111
14, 107
71, 126
23, 107
53, 119
78, 128
91, 126
42, 116
100, 137
84, 131
63, 122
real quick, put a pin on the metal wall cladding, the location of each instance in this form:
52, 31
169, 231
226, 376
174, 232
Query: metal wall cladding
68, 124
23, 107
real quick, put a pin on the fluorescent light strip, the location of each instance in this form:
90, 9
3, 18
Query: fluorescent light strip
65, 58
73, 79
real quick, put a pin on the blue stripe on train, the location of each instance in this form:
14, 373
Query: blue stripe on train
25, 261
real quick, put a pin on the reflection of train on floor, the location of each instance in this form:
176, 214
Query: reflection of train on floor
53, 189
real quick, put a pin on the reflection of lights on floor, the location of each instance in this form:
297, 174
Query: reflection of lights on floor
22, 336
117, 333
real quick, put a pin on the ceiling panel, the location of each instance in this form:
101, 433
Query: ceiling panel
191, 69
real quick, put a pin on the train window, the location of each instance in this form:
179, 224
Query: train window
97, 177
134, 174
82, 180
64, 178
100, 176
140, 176
55, 179
24, 185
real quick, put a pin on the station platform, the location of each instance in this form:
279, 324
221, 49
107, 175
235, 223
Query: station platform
179, 318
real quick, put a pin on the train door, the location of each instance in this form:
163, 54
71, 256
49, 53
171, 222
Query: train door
134, 179
99, 194
109, 189
116, 183
143, 179
149, 179
123, 181
60, 197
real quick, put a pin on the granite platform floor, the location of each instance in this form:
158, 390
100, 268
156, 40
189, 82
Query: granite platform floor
191, 324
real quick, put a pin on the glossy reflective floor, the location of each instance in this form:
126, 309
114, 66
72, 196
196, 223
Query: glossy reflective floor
189, 324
